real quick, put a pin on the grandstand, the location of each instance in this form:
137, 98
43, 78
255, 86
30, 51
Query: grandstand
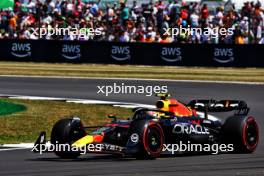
135, 23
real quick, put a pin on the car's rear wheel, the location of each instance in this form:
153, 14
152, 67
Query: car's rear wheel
67, 131
242, 132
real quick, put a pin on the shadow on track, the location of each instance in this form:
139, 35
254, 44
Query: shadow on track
94, 158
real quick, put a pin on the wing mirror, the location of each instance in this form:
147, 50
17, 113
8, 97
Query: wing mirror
112, 116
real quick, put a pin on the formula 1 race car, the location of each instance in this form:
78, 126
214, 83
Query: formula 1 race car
148, 132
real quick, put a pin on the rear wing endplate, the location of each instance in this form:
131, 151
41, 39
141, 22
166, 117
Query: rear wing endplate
239, 106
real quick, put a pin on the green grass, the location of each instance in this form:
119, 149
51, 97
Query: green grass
128, 71
41, 116
7, 108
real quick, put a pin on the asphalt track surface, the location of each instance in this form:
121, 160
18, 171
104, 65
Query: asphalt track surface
23, 162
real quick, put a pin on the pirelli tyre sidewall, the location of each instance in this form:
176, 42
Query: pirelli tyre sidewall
242, 132
67, 131
151, 139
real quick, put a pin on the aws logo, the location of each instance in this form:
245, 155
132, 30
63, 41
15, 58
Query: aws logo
224, 55
171, 54
120, 53
21, 50
71, 52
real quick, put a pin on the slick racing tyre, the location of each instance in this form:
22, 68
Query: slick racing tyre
67, 131
242, 132
150, 139
153, 140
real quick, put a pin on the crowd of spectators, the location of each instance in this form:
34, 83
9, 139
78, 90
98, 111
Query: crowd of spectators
135, 23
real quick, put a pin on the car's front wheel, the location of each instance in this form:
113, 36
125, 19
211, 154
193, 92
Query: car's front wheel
65, 132
153, 140
146, 139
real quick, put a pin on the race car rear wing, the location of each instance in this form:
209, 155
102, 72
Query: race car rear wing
239, 106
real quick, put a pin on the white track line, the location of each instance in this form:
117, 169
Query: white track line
134, 106
81, 101
93, 102
21, 145
36, 98
10, 149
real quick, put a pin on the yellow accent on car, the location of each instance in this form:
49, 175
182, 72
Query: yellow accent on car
165, 95
166, 105
83, 141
